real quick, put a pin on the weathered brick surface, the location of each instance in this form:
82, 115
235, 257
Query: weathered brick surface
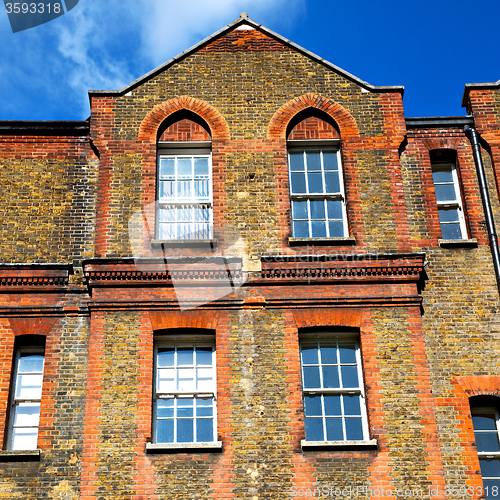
429, 338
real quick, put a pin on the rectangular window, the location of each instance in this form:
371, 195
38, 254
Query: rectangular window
25, 400
451, 214
185, 390
486, 422
334, 401
184, 195
317, 192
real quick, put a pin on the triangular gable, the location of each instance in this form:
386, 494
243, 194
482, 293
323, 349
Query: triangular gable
241, 38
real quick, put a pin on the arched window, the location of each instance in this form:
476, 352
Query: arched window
448, 195
26, 395
184, 179
316, 182
486, 421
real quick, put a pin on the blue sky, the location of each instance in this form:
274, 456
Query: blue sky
432, 48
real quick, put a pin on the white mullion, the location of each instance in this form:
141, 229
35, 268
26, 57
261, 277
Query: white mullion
458, 197
322, 165
325, 205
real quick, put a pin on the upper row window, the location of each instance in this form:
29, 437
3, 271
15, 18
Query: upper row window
448, 198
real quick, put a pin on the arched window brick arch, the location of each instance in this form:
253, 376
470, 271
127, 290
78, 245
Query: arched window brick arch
279, 122
149, 127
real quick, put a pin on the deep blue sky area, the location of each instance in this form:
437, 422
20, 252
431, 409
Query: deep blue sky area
432, 48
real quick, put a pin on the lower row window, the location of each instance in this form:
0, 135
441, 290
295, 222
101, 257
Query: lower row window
332, 382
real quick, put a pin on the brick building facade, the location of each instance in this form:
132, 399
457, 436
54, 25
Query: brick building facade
249, 275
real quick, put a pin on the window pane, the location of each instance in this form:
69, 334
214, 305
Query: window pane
336, 229
487, 441
29, 386
451, 231
296, 160
31, 363
27, 415
204, 408
334, 430
166, 356
440, 176
202, 214
164, 431
490, 467
330, 377
167, 232
311, 377
448, 215
201, 167
309, 354
298, 181
204, 356
184, 189
201, 190
166, 380
185, 431
314, 429
185, 408
204, 430
354, 429
184, 168
315, 182
332, 405
317, 209
167, 168
328, 354
334, 209
312, 406
165, 408
185, 380
299, 210
318, 229
313, 160
351, 405
24, 438
184, 356
349, 376
445, 192
484, 421
332, 182
205, 380
167, 189
300, 229
347, 353
330, 160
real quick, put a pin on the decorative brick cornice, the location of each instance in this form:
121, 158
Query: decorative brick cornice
20, 277
164, 272
396, 267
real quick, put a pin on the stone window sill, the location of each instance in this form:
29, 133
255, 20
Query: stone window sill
183, 447
183, 243
458, 243
337, 445
20, 455
350, 240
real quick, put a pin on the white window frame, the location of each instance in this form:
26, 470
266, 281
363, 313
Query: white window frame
488, 454
184, 150
18, 401
451, 204
198, 341
321, 339
294, 146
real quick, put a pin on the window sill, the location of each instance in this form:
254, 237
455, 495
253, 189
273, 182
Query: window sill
183, 243
350, 240
183, 447
458, 243
20, 455
337, 445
